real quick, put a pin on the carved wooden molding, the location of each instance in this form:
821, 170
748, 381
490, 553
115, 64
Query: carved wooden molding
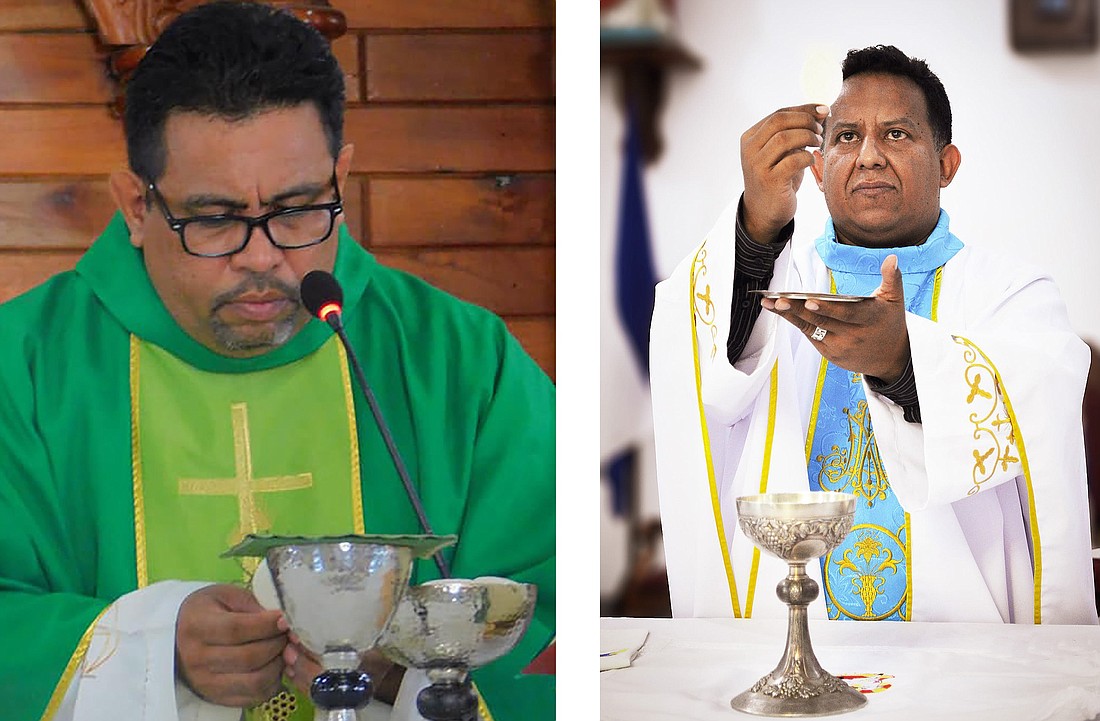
131, 26
140, 22
134, 22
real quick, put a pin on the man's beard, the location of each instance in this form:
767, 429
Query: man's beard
230, 336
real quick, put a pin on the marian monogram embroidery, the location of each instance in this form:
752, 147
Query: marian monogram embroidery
994, 432
857, 467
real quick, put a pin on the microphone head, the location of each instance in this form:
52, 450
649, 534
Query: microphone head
322, 295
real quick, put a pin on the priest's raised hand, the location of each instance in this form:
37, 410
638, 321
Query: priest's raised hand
773, 161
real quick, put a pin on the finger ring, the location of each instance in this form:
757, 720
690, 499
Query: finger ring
819, 333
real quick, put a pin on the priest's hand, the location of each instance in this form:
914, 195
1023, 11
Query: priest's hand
229, 649
773, 161
302, 667
868, 337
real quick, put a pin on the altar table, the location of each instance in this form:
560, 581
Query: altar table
691, 668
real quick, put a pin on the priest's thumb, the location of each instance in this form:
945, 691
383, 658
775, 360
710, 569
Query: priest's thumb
891, 287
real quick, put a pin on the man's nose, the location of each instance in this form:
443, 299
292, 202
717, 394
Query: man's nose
870, 154
259, 254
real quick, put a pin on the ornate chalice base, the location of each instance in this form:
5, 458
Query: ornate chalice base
797, 527
450, 627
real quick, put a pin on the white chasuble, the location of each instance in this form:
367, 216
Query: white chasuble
992, 479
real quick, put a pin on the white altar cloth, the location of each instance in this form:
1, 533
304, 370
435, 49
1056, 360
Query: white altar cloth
690, 669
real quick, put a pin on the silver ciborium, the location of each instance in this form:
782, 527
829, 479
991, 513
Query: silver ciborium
797, 527
451, 626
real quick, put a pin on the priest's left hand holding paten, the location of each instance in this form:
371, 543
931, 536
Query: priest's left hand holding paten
229, 648
868, 336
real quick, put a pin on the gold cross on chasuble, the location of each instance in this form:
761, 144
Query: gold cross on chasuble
220, 455
244, 485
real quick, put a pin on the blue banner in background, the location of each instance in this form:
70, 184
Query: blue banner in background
635, 277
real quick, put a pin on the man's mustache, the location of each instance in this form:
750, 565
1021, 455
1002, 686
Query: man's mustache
257, 283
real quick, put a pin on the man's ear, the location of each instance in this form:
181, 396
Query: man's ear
343, 166
128, 191
950, 160
818, 169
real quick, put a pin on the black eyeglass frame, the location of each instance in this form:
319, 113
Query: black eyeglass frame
335, 207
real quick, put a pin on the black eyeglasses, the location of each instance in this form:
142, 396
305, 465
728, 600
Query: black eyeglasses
215, 236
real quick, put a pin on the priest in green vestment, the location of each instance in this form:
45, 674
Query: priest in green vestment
170, 395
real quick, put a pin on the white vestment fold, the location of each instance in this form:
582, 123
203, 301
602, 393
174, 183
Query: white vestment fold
135, 638
992, 479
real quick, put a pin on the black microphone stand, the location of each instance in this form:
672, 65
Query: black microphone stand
333, 319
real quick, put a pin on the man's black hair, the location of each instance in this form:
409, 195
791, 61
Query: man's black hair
229, 60
888, 60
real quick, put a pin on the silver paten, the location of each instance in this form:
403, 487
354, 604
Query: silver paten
797, 527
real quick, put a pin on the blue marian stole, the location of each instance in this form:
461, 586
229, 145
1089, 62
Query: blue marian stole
867, 576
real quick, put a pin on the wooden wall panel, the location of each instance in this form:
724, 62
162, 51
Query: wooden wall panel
53, 214
64, 140
20, 272
536, 335
479, 66
52, 68
346, 50
501, 210
425, 140
24, 15
508, 282
433, 14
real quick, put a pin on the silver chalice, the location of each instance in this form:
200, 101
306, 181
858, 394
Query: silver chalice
338, 597
337, 593
797, 527
448, 628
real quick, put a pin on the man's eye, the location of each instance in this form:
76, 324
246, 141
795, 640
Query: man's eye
846, 137
214, 222
896, 134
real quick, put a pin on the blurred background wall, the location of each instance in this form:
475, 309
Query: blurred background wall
1025, 123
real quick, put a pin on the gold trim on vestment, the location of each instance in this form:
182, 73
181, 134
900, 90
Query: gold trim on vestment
699, 260
483, 711
1018, 437
70, 669
135, 463
356, 483
773, 395
812, 425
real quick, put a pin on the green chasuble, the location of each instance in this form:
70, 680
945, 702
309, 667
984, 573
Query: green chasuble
472, 415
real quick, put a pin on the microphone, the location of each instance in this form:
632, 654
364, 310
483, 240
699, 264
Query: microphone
324, 298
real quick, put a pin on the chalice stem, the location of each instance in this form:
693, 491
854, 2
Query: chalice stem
335, 714
797, 590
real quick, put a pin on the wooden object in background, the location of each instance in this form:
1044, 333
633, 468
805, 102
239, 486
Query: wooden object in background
1053, 25
643, 67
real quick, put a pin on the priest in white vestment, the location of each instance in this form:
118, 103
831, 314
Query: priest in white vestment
948, 400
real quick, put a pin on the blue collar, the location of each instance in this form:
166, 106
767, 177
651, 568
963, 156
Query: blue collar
939, 248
